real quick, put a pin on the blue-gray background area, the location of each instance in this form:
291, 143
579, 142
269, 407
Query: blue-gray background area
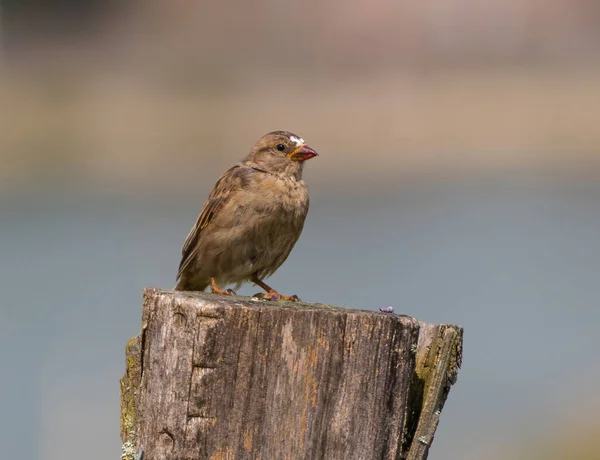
514, 260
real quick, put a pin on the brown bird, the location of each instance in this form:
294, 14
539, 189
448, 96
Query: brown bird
251, 220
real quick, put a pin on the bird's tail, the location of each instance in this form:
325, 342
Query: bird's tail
185, 284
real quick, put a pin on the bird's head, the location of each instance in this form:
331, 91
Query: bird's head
281, 152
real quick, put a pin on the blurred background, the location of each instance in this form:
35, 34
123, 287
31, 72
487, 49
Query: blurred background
458, 181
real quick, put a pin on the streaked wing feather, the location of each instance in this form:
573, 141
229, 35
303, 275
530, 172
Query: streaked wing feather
229, 183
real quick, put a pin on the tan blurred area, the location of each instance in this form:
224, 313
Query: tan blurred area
150, 92
154, 99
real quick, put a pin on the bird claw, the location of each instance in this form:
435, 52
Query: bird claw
215, 289
263, 296
224, 292
275, 296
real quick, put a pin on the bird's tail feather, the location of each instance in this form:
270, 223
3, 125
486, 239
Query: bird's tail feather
186, 285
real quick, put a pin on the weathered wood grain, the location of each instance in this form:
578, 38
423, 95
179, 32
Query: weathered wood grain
214, 377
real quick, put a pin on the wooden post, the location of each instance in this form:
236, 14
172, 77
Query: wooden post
215, 377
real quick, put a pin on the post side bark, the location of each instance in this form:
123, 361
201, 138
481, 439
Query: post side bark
214, 377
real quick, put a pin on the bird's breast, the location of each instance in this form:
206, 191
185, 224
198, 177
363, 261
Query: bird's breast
261, 228
288, 197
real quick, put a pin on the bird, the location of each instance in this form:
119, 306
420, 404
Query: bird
251, 220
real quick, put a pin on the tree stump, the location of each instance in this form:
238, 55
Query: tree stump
216, 377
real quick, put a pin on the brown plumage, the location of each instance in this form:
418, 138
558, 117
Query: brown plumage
251, 220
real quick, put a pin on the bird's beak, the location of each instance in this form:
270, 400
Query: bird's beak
302, 152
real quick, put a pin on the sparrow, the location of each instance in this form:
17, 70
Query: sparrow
250, 221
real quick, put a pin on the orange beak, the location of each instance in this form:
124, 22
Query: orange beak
302, 153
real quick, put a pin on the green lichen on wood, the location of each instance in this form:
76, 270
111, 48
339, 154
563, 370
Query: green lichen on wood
130, 384
455, 356
427, 356
428, 359
128, 451
437, 368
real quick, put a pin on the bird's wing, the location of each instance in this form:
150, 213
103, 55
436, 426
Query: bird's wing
231, 182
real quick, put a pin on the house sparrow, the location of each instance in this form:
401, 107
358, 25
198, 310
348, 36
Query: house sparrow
251, 220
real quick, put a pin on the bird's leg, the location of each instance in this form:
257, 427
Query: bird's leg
272, 294
215, 289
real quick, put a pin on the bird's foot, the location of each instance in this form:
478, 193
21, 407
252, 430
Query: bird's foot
273, 295
215, 289
223, 291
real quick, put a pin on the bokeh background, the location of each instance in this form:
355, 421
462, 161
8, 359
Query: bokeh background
458, 182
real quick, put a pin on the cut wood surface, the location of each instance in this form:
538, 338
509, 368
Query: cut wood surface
216, 377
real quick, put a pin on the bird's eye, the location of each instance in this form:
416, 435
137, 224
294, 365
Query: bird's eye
280, 147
